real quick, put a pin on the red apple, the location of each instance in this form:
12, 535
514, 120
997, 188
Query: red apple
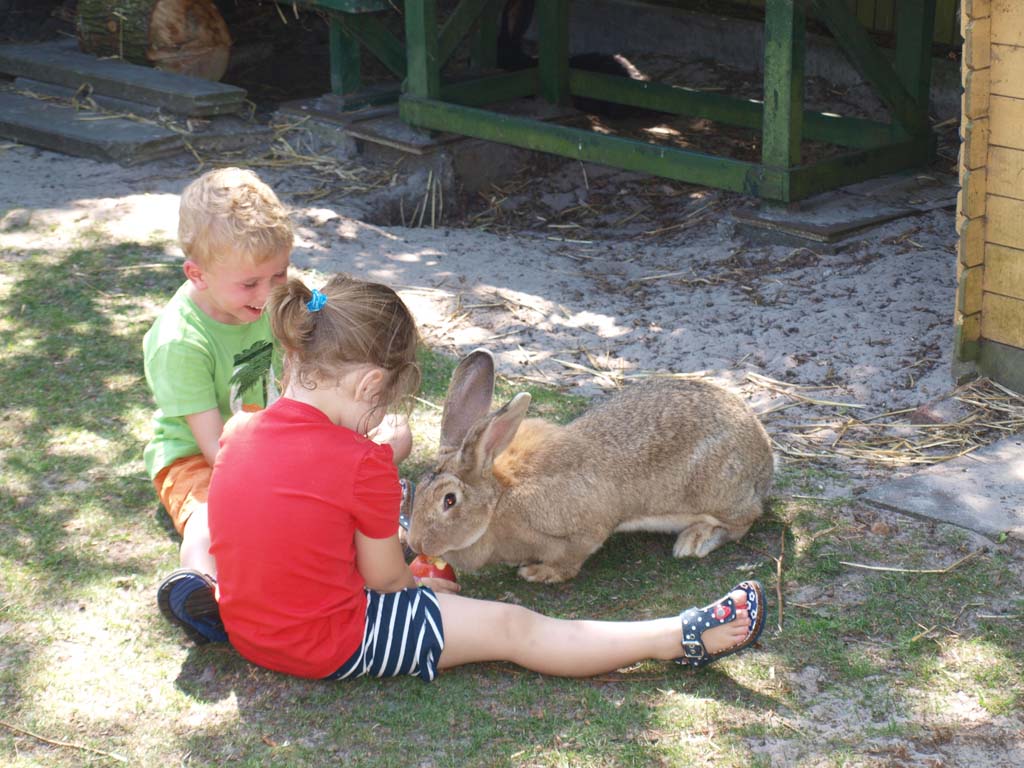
424, 567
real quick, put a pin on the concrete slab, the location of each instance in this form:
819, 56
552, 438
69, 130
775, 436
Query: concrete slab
982, 491
834, 216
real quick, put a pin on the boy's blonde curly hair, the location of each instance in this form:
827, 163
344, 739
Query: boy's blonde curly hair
231, 212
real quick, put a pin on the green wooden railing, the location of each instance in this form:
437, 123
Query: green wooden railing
875, 15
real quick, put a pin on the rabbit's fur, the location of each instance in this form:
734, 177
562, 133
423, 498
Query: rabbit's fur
678, 456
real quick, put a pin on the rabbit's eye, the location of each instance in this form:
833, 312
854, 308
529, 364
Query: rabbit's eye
449, 500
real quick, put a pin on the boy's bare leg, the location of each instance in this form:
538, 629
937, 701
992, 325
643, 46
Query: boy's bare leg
195, 543
480, 630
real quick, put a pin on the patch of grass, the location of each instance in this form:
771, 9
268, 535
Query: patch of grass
862, 658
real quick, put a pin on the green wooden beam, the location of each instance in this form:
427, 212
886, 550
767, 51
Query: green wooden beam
492, 89
746, 113
784, 35
852, 167
346, 75
377, 38
553, 31
873, 65
458, 24
915, 20
423, 65
343, 6
585, 145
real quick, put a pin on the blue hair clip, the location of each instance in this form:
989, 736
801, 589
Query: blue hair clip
316, 303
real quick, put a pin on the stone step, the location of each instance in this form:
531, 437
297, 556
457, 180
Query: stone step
62, 64
54, 126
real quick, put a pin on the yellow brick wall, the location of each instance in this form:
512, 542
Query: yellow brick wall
990, 207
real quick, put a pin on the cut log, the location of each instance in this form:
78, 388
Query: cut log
189, 37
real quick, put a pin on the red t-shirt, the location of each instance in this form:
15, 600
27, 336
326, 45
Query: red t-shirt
289, 491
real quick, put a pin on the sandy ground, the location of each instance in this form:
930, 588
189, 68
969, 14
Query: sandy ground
869, 319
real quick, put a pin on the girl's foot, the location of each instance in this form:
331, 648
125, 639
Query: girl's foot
727, 626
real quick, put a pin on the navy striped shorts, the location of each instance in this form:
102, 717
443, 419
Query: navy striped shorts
403, 636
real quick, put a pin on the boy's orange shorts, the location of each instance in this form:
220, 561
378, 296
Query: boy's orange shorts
181, 485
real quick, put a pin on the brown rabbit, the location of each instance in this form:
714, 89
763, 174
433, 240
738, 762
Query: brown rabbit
679, 456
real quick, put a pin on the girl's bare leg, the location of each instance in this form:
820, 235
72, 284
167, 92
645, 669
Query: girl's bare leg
481, 630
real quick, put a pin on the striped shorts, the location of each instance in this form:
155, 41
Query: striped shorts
403, 636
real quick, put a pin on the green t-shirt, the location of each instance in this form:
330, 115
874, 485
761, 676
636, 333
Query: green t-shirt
190, 360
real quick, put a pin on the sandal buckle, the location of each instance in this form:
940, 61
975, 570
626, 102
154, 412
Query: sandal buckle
693, 649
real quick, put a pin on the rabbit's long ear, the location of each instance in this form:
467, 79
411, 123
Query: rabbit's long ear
488, 440
469, 397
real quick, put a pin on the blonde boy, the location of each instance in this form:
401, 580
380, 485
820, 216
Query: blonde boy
207, 356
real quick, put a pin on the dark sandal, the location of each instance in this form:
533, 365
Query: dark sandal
187, 598
696, 621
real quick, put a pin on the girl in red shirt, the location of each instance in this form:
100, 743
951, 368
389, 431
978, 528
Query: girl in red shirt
304, 508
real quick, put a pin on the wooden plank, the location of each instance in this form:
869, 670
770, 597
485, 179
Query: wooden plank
977, 51
976, 95
1006, 172
1008, 22
1004, 221
1002, 319
784, 47
969, 289
971, 198
1006, 122
60, 128
975, 147
1004, 271
1008, 71
971, 244
58, 64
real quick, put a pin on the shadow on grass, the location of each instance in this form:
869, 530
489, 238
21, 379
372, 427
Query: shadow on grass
74, 501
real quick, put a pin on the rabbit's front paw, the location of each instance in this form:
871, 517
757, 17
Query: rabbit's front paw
546, 574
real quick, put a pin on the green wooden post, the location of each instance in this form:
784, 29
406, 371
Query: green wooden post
784, 44
553, 26
423, 68
915, 21
484, 45
345, 71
